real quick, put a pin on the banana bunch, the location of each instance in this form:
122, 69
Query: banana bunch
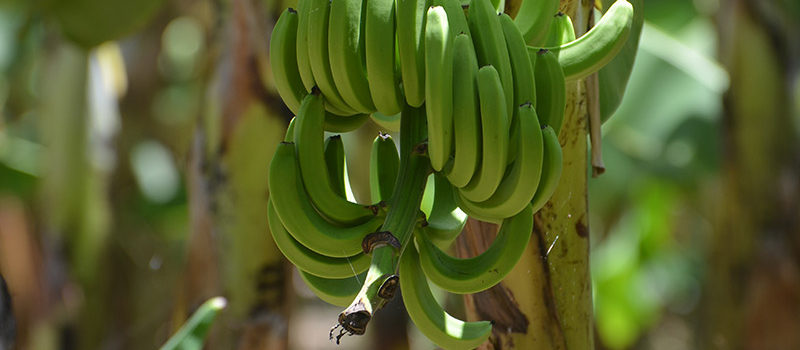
479, 100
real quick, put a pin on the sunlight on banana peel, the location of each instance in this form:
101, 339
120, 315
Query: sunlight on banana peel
492, 139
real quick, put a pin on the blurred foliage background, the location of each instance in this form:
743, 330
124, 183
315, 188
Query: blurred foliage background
135, 138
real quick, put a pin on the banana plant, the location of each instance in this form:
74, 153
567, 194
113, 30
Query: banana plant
480, 98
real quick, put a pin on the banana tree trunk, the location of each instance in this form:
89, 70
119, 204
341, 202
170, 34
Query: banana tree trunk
752, 299
231, 252
546, 301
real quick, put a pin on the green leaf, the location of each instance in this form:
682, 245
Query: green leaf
613, 78
193, 332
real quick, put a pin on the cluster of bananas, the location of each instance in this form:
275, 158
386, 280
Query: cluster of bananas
489, 91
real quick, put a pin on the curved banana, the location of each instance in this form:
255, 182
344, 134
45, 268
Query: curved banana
299, 216
309, 142
334, 160
533, 19
410, 48
520, 183
466, 118
551, 93
593, 50
389, 123
303, 62
439, 86
318, 57
472, 275
490, 45
444, 219
334, 291
384, 78
289, 136
455, 16
551, 169
524, 84
384, 163
495, 137
346, 54
309, 261
339, 124
561, 31
283, 60
429, 317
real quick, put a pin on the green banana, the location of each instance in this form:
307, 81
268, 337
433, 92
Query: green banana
283, 60
533, 19
309, 261
334, 291
383, 168
303, 61
519, 184
551, 169
590, 52
551, 93
410, 48
318, 57
346, 53
495, 137
466, 118
388, 123
455, 16
338, 123
472, 275
444, 219
429, 317
561, 31
334, 160
490, 45
384, 84
524, 84
439, 86
299, 216
309, 142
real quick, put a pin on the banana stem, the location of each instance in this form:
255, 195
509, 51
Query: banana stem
403, 215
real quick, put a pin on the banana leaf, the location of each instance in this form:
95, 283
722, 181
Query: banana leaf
193, 332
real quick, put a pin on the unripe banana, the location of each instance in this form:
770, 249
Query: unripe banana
339, 292
495, 137
309, 261
439, 86
551, 93
300, 217
410, 48
283, 59
533, 19
466, 113
303, 61
309, 140
455, 16
429, 317
444, 219
383, 168
490, 45
289, 136
384, 77
318, 56
472, 275
551, 169
340, 124
561, 31
334, 160
387, 123
520, 183
524, 84
346, 53
598, 46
